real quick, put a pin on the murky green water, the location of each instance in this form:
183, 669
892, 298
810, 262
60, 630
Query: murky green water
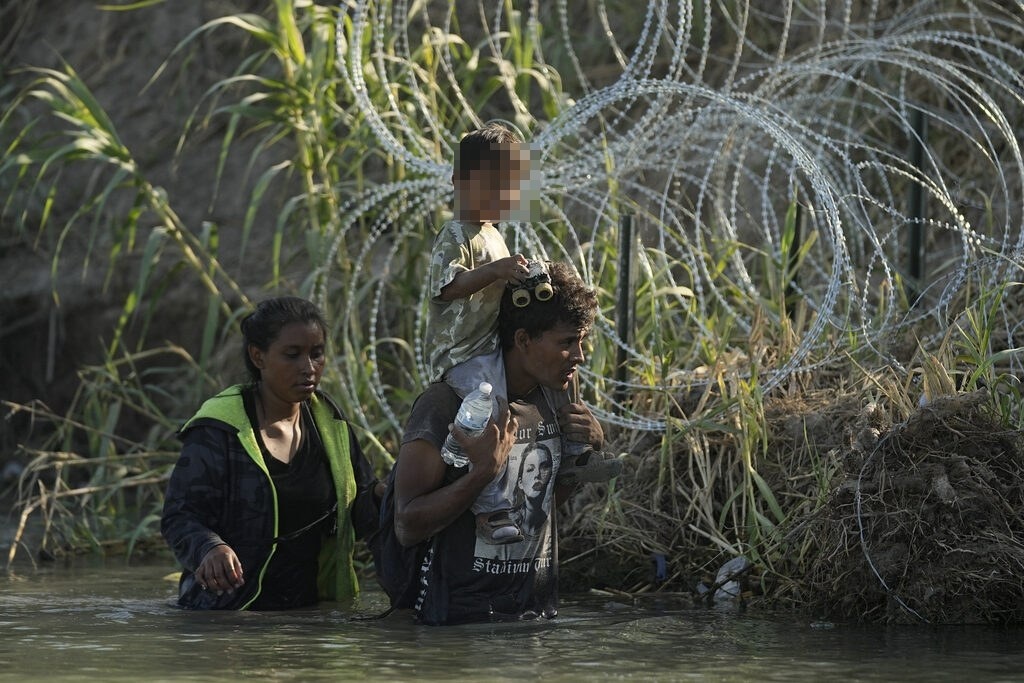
109, 623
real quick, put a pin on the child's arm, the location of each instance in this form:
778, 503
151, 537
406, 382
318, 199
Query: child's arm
468, 282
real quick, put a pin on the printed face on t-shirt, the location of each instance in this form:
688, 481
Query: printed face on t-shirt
529, 491
536, 472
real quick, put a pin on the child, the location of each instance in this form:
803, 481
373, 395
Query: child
469, 269
470, 263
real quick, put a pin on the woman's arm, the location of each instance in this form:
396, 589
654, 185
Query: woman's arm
193, 499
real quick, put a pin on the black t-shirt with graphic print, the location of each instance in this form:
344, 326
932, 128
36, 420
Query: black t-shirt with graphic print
464, 578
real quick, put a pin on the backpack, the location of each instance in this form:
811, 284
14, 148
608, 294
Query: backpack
397, 566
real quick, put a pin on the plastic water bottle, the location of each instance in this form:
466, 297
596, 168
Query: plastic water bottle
473, 415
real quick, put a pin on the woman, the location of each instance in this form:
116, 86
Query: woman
534, 477
271, 488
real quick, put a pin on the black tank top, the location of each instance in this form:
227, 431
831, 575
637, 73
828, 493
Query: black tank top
305, 493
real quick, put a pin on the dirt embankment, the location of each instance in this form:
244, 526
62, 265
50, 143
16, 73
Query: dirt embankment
53, 321
923, 521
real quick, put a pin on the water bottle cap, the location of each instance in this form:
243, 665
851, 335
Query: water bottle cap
485, 388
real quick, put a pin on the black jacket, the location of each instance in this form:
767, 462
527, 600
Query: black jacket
221, 492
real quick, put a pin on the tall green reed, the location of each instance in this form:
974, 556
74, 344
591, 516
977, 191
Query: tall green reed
311, 98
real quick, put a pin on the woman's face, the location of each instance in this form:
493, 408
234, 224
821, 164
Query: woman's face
536, 472
290, 369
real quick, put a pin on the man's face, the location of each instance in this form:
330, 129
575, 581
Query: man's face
551, 358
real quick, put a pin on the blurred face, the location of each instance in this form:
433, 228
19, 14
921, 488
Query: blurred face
536, 472
551, 359
290, 369
492, 193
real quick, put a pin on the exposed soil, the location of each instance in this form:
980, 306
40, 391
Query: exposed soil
924, 520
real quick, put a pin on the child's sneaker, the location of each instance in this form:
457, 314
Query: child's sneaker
588, 467
497, 528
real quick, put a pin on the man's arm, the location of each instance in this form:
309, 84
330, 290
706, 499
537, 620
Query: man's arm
423, 505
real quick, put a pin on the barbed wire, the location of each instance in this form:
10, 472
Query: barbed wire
712, 127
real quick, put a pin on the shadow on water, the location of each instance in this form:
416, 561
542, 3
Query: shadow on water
101, 623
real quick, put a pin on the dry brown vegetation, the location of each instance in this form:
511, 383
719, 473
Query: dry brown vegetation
851, 499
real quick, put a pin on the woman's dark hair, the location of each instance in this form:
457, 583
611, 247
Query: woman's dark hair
261, 327
573, 303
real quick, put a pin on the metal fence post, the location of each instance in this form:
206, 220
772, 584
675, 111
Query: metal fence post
623, 307
915, 200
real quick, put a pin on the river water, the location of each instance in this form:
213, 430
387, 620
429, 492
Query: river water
113, 622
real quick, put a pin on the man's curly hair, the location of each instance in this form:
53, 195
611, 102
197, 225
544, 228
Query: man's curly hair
573, 303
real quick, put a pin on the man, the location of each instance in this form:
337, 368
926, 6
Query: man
463, 577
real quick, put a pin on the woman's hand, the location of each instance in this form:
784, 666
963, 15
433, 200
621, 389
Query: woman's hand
220, 570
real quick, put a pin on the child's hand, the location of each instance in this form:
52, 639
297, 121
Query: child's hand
512, 268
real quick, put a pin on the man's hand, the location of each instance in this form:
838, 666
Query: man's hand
488, 451
424, 504
579, 424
